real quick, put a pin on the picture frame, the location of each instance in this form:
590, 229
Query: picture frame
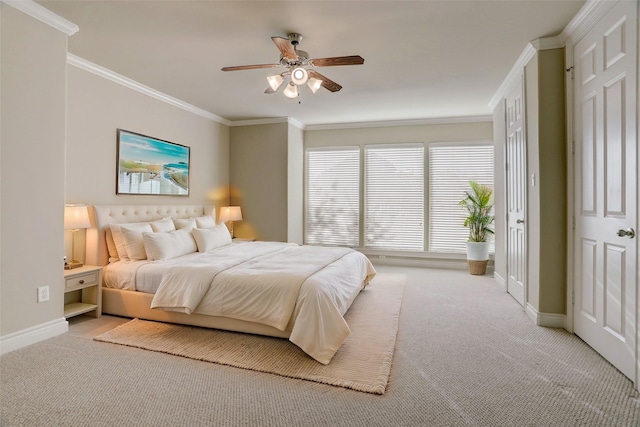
151, 166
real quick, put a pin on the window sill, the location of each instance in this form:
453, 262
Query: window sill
419, 259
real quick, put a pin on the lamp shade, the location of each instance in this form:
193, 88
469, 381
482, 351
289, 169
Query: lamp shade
275, 81
314, 84
75, 217
299, 76
291, 91
230, 213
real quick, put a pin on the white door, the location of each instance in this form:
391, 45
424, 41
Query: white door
516, 155
605, 177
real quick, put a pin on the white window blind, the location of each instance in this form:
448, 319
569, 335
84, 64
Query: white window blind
394, 197
451, 167
333, 196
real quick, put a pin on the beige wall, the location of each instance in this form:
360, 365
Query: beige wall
295, 185
546, 217
32, 83
97, 107
259, 171
42, 168
552, 181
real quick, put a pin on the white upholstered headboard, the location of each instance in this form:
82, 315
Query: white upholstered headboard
103, 215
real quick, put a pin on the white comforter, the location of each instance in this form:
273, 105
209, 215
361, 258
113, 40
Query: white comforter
304, 289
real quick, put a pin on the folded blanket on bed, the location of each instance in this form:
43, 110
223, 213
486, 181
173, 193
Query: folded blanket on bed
261, 287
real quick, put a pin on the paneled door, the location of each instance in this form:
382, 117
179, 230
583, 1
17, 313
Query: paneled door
516, 155
606, 194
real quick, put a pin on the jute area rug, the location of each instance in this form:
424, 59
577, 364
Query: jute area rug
362, 363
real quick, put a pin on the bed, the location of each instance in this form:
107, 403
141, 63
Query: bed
184, 269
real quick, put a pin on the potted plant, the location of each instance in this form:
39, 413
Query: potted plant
479, 204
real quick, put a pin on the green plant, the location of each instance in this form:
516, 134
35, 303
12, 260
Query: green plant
479, 204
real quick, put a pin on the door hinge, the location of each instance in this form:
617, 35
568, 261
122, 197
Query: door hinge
571, 71
573, 297
506, 167
573, 222
573, 147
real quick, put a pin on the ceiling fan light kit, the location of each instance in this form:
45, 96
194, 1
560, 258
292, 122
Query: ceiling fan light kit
299, 76
299, 68
291, 91
275, 81
314, 84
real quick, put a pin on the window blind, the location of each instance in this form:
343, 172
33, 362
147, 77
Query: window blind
332, 196
451, 167
394, 197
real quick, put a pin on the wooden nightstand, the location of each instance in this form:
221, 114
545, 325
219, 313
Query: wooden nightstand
83, 291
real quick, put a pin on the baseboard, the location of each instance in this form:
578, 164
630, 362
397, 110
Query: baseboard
500, 280
549, 320
33, 335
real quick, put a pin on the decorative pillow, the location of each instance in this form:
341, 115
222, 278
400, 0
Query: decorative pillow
163, 225
132, 235
172, 244
206, 221
184, 223
211, 238
111, 246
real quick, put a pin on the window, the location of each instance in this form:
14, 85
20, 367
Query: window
394, 197
451, 167
333, 196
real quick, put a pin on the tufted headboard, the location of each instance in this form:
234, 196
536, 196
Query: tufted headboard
103, 215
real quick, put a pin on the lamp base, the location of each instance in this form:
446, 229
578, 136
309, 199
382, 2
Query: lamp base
72, 264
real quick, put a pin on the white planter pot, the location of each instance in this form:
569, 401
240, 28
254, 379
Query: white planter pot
477, 251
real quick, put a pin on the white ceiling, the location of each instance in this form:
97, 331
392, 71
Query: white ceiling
423, 59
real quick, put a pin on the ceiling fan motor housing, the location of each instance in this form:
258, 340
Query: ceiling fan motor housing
295, 38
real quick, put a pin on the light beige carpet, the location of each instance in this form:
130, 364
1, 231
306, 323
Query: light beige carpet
362, 363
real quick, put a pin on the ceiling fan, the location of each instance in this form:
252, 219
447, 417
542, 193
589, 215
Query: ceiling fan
299, 69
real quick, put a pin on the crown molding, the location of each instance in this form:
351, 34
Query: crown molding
546, 43
81, 63
43, 14
587, 16
269, 121
513, 75
410, 122
590, 13
257, 122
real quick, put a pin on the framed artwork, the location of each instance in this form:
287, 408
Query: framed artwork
147, 165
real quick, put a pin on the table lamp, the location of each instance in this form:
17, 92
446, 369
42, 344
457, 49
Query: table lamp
75, 218
230, 214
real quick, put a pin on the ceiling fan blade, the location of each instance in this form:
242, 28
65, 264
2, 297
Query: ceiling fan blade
286, 48
269, 90
338, 60
249, 67
328, 84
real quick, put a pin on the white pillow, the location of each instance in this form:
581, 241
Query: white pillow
184, 223
206, 221
132, 235
211, 238
163, 225
118, 240
172, 244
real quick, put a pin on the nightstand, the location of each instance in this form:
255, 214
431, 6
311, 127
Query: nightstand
242, 239
83, 291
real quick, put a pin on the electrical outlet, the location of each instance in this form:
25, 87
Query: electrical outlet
43, 293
